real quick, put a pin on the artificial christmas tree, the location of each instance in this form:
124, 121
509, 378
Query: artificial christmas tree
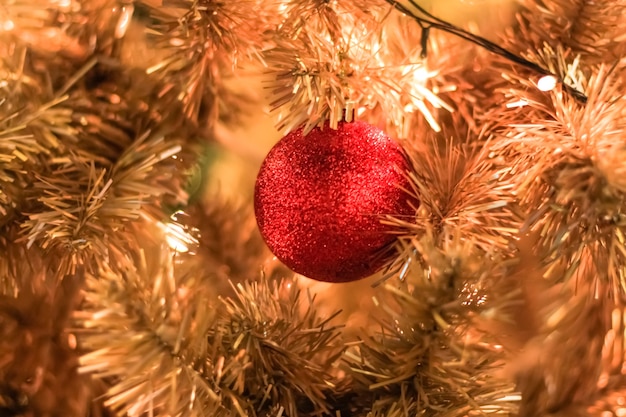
134, 279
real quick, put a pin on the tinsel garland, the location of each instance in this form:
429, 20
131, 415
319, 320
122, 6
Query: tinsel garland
125, 289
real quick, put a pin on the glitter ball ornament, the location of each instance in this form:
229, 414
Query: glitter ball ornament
319, 200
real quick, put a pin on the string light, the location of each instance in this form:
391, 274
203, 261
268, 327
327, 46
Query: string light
547, 83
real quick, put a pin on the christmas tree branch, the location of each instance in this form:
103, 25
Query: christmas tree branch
548, 380
90, 28
592, 29
433, 355
20, 144
96, 184
167, 343
149, 338
347, 63
200, 40
80, 154
460, 187
291, 351
570, 189
38, 368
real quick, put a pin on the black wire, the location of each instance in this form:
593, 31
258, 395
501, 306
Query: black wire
424, 41
434, 22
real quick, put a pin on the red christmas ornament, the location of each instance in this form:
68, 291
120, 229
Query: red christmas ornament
319, 200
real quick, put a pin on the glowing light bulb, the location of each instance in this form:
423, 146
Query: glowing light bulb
7, 25
546, 83
177, 237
